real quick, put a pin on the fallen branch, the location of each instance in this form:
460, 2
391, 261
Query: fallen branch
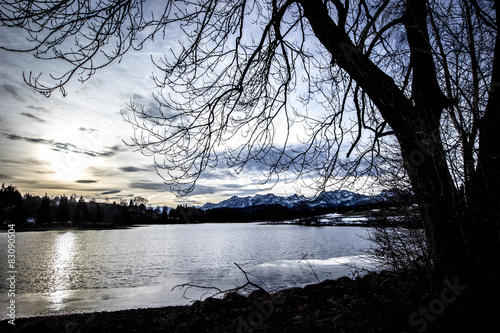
219, 291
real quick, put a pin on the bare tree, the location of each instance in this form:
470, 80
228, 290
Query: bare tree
423, 75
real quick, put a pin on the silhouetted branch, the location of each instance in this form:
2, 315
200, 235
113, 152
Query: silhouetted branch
219, 291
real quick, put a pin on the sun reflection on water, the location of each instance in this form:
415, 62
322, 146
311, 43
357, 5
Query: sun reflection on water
62, 269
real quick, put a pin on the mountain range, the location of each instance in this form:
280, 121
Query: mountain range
340, 198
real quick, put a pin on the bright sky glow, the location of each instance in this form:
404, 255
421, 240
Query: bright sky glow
74, 144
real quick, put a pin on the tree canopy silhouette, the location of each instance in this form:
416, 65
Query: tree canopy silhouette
421, 75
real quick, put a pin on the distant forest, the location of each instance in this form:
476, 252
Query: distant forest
73, 210
33, 211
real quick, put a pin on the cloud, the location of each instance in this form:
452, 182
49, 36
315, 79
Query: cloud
132, 169
32, 116
115, 149
199, 189
217, 173
36, 161
25, 182
63, 146
11, 161
111, 192
4, 176
55, 186
38, 108
149, 106
101, 172
67, 187
108, 153
87, 130
12, 91
188, 202
204, 189
27, 161
85, 181
45, 172
145, 185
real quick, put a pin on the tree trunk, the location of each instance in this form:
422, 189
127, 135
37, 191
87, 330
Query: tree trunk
484, 208
438, 200
458, 245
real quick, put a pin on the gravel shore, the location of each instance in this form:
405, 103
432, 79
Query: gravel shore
376, 302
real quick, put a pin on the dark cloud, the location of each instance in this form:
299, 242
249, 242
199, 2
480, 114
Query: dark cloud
224, 189
145, 185
27, 161
104, 154
102, 172
255, 166
111, 192
233, 186
132, 169
86, 181
87, 130
66, 187
161, 187
116, 149
4, 176
32, 116
63, 146
24, 181
137, 97
217, 173
38, 108
10, 161
188, 202
45, 172
36, 161
12, 91
205, 189
149, 106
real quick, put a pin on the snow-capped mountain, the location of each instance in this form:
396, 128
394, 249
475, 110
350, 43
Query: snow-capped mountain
341, 198
256, 200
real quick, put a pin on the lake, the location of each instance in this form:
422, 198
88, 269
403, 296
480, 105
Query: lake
95, 270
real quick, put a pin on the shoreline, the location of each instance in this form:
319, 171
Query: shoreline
370, 303
60, 228
360, 223
375, 302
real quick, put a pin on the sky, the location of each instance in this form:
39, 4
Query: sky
75, 144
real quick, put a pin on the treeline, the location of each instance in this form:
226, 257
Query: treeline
33, 210
276, 212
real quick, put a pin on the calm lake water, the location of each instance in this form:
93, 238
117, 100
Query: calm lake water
82, 271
